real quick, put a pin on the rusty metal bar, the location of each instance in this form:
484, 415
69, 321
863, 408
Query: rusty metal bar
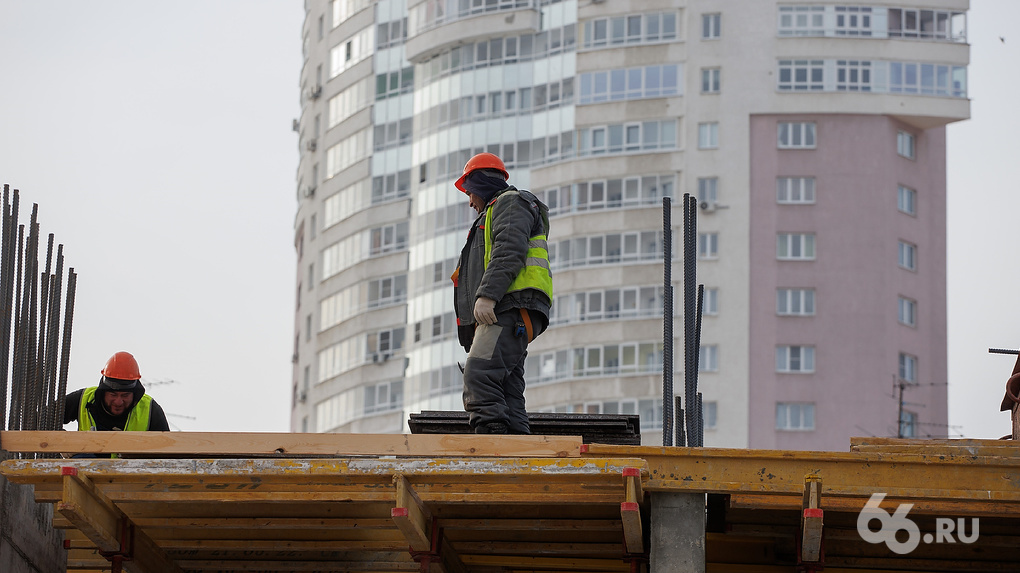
65, 351
667, 322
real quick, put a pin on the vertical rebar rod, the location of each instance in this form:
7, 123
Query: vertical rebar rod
65, 352
52, 332
697, 362
667, 322
32, 363
701, 421
690, 310
5, 250
681, 436
17, 388
44, 315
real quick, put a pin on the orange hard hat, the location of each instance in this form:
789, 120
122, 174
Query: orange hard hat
481, 161
121, 366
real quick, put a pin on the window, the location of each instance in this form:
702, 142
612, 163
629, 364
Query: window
384, 397
794, 190
853, 75
801, 75
907, 311
853, 20
795, 301
795, 416
908, 256
710, 302
908, 368
795, 359
906, 200
630, 29
708, 189
708, 358
802, 20
710, 80
708, 245
711, 26
908, 424
905, 144
796, 135
708, 135
795, 246
709, 414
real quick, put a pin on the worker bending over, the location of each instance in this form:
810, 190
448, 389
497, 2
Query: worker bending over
502, 294
119, 402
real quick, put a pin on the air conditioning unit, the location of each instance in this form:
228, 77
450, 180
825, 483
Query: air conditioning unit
311, 145
303, 396
708, 206
295, 125
315, 93
308, 191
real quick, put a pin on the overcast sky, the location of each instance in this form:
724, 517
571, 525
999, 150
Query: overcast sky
156, 138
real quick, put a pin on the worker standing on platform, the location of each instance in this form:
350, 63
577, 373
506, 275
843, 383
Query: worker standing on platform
119, 402
502, 294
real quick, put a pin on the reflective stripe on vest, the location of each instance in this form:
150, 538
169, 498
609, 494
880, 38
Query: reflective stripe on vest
535, 273
138, 417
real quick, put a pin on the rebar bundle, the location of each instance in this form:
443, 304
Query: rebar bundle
34, 344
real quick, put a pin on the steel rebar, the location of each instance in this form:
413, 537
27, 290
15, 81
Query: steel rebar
690, 310
667, 322
65, 352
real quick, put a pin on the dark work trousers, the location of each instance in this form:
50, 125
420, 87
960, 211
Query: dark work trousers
494, 372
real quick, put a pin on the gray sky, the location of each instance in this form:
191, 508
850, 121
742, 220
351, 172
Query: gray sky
156, 139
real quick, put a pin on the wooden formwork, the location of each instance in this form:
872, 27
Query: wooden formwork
339, 502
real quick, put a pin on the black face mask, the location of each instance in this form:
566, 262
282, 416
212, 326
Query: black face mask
484, 185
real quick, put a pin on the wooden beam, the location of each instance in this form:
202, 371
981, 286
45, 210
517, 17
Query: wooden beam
811, 520
900, 475
84, 505
413, 519
630, 511
937, 448
197, 444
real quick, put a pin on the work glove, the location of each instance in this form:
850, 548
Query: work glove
485, 310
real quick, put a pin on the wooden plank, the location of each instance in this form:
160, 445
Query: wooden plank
104, 524
411, 516
280, 444
811, 520
630, 511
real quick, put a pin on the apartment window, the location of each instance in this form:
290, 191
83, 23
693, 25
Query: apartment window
906, 200
797, 135
709, 414
801, 75
908, 424
802, 20
311, 276
387, 290
710, 302
795, 246
798, 359
711, 26
708, 189
907, 311
795, 190
908, 368
908, 256
708, 245
708, 135
853, 75
708, 358
388, 239
853, 20
384, 397
710, 80
308, 328
905, 144
795, 416
795, 301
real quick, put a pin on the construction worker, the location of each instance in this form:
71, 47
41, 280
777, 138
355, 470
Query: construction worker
502, 294
119, 402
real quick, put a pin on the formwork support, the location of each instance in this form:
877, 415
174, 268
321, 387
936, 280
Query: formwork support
677, 533
811, 555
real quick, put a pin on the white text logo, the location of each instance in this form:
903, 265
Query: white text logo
889, 525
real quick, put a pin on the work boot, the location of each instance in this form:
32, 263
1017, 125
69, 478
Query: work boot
492, 428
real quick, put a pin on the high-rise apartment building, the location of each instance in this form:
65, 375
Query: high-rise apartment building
812, 133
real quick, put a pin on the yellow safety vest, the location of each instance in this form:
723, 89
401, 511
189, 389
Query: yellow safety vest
535, 273
138, 417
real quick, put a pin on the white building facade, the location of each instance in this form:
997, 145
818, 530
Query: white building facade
812, 133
